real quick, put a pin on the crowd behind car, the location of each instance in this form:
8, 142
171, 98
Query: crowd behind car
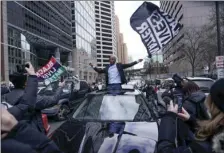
146, 123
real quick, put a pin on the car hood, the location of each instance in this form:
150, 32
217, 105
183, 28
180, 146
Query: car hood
113, 137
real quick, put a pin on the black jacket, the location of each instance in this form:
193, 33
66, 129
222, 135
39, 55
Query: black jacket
25, 139
23, 100
42, 103
194, 104
120, 68
166, 141
33, 114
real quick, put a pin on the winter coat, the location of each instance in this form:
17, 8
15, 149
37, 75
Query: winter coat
25, 139
120, 68
23, 100
4, 90
175, 128
194, 104
34, 117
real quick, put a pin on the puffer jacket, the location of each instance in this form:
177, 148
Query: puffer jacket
167, 138
194, 104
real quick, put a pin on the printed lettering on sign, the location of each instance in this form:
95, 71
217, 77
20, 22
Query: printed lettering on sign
155, 27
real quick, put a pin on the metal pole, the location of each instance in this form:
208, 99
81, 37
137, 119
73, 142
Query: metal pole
218, 28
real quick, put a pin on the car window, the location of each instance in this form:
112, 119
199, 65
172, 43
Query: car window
83, 85
54, 86
108, 107
204, 83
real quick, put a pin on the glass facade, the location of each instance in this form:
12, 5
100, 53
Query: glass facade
19, 50
83, 26
37, 30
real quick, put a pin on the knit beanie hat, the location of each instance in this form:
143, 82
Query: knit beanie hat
217, 94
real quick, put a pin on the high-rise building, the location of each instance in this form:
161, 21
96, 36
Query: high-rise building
119, 38
124, 55
36, 30
190, 14
105, 32
3, 52
84, 39
122, 52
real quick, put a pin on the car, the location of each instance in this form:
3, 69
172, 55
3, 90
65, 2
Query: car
105, 123
203, 83
69, 100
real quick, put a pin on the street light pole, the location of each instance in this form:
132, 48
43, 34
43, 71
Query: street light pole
218, 27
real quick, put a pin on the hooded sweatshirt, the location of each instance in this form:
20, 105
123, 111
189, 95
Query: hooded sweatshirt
195, 106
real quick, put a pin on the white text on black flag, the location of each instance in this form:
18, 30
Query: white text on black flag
155, 32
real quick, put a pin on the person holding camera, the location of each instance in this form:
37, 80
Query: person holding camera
209, 135
21, 85
21, 97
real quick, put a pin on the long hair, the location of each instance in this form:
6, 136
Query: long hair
209, 127
190, 87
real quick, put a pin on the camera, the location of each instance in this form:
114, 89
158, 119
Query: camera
178, 80
178, 92
21, 68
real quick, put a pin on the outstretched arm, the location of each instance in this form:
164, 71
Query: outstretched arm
125, 66
98, 70
48, 101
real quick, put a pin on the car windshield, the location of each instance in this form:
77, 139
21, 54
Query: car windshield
204, 83
113, 108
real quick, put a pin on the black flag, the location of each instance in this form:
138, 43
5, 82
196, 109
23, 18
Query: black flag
155, 27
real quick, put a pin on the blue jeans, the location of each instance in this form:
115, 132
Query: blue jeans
114, 89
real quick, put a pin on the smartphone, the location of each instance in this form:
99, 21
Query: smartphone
179, 102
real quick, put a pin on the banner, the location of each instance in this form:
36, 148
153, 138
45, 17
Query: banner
155, 27
51, 72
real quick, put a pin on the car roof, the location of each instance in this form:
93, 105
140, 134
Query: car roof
128, 92
168, 79
193, 78
200, 78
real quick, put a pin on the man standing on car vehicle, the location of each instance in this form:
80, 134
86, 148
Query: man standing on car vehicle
114, 73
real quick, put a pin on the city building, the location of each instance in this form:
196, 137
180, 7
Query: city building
37, 30
157, 57
124, 54
105, 32
119, 38
122, 51
3, 53
84, 39
190, 14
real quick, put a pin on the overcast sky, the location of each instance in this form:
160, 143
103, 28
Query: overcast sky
124, 10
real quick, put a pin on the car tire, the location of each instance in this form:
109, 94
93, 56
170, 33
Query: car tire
63, 112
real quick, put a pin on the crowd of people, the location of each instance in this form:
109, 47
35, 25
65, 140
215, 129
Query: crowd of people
197, 128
